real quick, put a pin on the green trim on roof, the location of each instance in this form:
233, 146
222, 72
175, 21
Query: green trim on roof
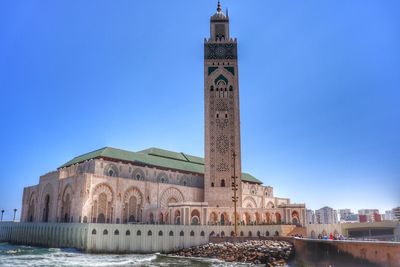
154, 157
250, 178
164, 153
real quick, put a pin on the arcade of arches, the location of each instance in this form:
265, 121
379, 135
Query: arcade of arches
105, 205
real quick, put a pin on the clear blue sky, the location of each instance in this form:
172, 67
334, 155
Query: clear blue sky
319, 81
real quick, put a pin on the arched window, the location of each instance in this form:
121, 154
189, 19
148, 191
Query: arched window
116, 232
192, 233
267, 233
105, 232
250, 233
138, 233
258, 233
111, 170
94, 232
195, 217
222, 234
230, 88
160, 233
232, 233
241, 233
171, 233
212, 233
276, 233
212, 88
128, 233
202, 233
149, 233
181, 233
212, 184
222, 183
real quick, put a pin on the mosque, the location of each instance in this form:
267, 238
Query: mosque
156, 186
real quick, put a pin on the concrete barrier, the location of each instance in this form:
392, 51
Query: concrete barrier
126, 238
314, 252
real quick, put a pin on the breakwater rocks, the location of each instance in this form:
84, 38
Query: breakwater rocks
270, 252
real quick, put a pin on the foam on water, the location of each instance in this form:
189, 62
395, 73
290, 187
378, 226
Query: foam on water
15, 256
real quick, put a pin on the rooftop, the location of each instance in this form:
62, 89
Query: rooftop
153, 157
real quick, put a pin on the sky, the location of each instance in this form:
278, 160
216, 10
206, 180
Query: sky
319, 90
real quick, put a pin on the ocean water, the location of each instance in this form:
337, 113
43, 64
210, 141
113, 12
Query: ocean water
15, 256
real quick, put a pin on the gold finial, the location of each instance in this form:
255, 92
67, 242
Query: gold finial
219, 6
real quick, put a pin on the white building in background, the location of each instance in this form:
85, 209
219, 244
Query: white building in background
326, 215
396, 213
346, 215
310, 216
388, 216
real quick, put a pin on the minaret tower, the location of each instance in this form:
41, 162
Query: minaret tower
222, 116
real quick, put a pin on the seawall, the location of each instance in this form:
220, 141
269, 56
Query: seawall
126, 238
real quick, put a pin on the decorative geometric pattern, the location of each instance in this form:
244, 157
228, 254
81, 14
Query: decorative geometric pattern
222, 123
222, 144
221, 78
220, 51
133, 191
138, 174
111, 170
221, 105
249, 202
162, 178
103, 188
222, 167
170, 194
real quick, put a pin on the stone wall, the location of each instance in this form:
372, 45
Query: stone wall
124, 238
346, 253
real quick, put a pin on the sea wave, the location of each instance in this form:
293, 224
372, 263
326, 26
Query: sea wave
16, 256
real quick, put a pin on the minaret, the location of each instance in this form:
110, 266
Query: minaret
222, 116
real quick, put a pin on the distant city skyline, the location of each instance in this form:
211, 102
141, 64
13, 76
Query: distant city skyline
319, 96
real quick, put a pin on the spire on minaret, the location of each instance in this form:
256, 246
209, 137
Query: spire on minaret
219, 6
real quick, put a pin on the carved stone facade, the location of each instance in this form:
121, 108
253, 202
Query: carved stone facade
222, 116
89, 192
163, 187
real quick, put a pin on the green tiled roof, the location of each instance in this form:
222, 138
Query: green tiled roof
250, 178
155, 157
